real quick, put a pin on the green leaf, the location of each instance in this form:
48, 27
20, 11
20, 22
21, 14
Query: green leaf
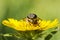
56, 36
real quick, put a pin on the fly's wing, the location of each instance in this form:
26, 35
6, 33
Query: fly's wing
25, 19
39, 19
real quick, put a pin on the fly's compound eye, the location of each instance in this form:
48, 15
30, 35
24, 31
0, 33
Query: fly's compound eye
32, 16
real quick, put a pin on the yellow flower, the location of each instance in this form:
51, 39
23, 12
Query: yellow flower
24, 26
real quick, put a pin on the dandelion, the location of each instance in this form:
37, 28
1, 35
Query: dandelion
22, 25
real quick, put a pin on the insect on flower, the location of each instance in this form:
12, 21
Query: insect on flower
31, 22
32, 18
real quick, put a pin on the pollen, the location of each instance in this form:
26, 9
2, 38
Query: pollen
22, 25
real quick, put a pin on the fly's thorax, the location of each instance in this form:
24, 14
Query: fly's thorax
33, 21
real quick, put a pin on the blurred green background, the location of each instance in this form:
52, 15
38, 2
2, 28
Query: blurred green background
18, 9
